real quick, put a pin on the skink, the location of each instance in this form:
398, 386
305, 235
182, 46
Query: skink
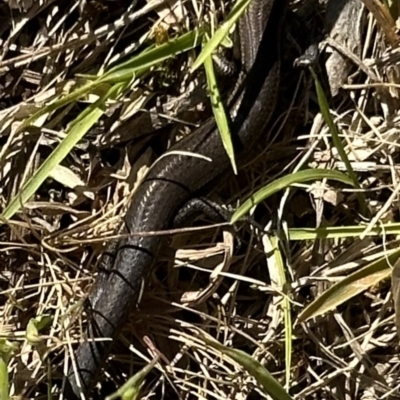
177, 178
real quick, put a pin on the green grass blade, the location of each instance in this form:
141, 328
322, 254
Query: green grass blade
284, 182
126, 71
237, 10
324, 107
130, 390
120, 75
149, 58
287, 317
350, 286
338, 232
73, 96
219, 111
59, 153
254, 368
50, 395
113, 93
4, 381
7, 349
35, 325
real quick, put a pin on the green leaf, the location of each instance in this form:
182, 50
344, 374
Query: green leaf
7, 349
254, 368
286, 181
341, 232
120, 76
4, 382
275, 253
130, 389
78, 130
237, 10
324, 107
219, 112
125, 71
35, 325
151, 57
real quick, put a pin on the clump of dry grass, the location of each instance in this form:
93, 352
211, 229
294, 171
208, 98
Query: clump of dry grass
247, 295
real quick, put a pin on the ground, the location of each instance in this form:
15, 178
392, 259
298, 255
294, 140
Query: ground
302, 285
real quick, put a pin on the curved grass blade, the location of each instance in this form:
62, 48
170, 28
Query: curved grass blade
284, 182
35, 325
130, 390
350, 286
254, 368
124, 72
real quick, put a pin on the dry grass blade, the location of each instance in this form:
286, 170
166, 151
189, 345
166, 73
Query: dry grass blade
396, 294
342, 232
58, 58
350, 286
120, 78
384, 19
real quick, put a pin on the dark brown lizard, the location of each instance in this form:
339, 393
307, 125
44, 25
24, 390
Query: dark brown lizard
175, 179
